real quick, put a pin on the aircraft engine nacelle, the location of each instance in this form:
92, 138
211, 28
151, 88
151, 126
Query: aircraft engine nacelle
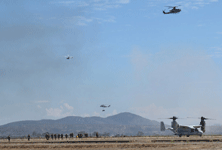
203, 124
203, 129
174, 125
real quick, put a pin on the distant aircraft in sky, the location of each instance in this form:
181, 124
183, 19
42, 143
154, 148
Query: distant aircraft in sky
68, 57
104, 106
173, 10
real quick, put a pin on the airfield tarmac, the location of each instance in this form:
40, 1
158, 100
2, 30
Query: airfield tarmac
128, 143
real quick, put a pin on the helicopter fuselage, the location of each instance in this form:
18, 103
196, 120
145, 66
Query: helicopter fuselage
172, 11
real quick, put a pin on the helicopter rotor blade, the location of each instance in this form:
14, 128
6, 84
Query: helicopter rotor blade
172, 6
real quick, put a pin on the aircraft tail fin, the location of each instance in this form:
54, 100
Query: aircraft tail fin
164, 12
162, 126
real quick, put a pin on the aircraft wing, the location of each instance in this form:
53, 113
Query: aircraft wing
197, 126
185, 126
190, 126
169, 128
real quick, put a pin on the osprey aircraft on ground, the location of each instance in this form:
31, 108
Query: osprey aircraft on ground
185, 130
174, 10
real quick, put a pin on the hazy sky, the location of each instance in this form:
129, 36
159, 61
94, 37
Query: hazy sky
127, 53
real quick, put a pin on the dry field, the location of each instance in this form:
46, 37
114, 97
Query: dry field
143, 143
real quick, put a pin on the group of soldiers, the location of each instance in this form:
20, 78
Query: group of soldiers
58, 136
55, 136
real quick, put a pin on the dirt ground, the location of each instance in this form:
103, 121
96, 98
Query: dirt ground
132, 143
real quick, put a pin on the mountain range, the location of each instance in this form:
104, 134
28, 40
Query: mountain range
123, 124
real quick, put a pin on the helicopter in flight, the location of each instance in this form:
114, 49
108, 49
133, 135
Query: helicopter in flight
185, 130
68, 57
174, 10
104, 106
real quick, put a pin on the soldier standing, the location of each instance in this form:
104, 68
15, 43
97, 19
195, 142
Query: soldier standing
86, 135
58, 136
9, 138
71, 135
61, 136
55, 136
47, 136
66, 136
28, 137
80, 135
52, 136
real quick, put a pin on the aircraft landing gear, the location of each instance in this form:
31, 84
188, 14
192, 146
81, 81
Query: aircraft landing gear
188, 135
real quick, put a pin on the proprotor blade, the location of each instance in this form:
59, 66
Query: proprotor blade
174, 118
203, 118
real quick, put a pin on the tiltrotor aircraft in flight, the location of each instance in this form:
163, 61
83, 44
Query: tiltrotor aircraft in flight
174, 10
185, 130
